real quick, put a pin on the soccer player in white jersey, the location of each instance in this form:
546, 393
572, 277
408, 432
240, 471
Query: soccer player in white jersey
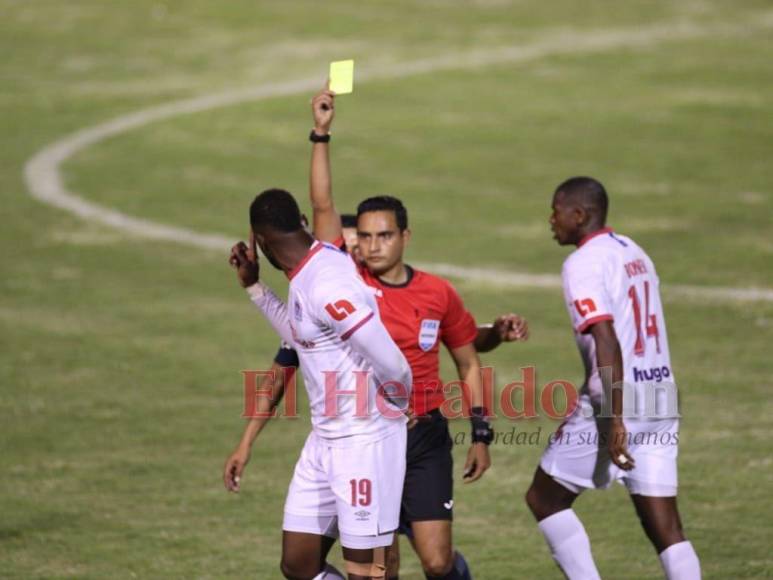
348, 481
625, 425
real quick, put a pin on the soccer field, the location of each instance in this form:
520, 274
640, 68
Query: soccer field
121, 359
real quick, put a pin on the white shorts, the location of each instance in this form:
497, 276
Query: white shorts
577, 458
354, 492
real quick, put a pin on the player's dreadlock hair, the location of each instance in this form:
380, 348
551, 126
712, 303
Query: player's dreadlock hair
348, 220
277, 209
386, 203
589, 193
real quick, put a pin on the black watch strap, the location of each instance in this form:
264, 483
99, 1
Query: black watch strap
314, 138
482, 432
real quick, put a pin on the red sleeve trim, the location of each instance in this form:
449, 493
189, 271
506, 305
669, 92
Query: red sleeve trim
453, 346
356, 327
591, 321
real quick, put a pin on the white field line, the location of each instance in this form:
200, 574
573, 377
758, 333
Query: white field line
506, 279
42, 172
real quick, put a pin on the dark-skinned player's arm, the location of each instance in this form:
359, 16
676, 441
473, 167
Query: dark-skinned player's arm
244, 259
237, 461
609, 356
505, 328
468, 367
326, 220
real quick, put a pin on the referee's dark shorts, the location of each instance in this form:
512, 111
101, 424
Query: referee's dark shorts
429, 482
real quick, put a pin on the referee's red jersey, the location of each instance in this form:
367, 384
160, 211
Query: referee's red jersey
419, 315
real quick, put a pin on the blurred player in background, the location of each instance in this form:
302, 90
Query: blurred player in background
612, 292
349, 235
274, 381
420, 311
349, 477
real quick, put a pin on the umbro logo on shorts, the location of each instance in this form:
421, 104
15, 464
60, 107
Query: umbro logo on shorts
362, 515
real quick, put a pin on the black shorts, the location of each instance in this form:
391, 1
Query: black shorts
429, 480
286, 356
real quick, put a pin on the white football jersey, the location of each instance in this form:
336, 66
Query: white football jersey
328, 302
609, 277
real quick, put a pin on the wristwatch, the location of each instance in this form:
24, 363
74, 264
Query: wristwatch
314, 138
482, 432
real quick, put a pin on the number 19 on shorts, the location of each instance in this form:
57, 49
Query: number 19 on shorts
361, 492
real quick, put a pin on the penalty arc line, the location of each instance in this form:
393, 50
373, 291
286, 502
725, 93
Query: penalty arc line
43, 177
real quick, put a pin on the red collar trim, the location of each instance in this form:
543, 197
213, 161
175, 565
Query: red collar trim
314, 249
339, 243
589, 237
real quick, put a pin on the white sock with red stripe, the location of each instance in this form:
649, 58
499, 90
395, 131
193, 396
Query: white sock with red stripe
570, 545
680, 562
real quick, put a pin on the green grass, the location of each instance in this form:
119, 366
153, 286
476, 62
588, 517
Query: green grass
120, 391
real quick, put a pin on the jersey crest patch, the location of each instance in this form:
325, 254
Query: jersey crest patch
585, 306
340, 309
428, 333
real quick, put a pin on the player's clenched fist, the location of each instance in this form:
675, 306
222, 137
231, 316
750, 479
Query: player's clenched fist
245, 261
323, 109
511, 327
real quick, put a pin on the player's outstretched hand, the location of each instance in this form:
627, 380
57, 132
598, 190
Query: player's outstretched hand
245, 261
234, 467
511, 327
323, 109
618, 445
478, 461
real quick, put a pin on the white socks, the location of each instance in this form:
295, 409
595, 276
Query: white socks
329, 573
680, 562
570, 545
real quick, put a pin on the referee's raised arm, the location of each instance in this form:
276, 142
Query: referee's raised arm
326, 220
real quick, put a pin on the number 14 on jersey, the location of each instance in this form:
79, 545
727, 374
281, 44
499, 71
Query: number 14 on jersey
650, 320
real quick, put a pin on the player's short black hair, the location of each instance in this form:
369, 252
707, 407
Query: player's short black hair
386, 203
277, 209
348, 220
589, 192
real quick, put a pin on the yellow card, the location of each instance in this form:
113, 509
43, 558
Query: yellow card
342, 77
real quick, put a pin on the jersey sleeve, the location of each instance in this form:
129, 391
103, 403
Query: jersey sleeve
342, 306
585, 292
272, 308
457, 327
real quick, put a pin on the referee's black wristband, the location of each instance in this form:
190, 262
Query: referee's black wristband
482, 432
314, 138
